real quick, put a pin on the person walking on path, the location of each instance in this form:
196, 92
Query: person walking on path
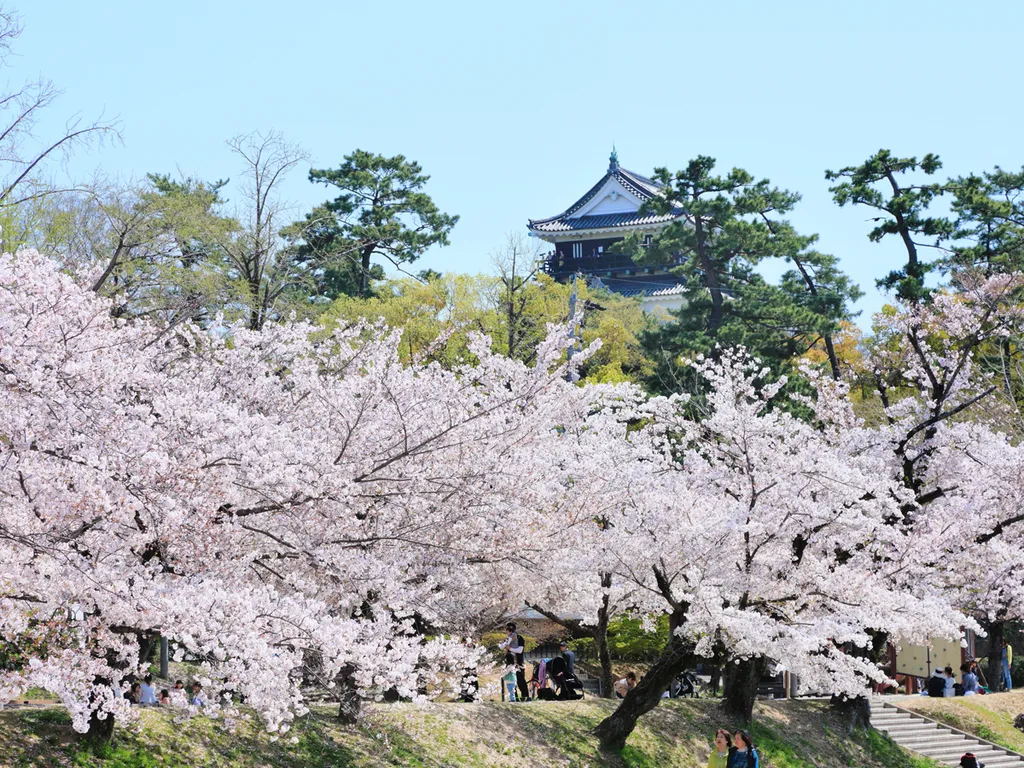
742, 753
719, 757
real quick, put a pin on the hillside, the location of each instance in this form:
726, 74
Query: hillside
990, 717
789, 735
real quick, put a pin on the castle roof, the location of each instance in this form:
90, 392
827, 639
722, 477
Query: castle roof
614, 202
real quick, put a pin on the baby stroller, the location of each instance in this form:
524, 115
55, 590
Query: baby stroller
568, 687
684, 686
970, 761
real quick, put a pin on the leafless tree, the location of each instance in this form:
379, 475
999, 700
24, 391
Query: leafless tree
24, 155
517, 264
258, 254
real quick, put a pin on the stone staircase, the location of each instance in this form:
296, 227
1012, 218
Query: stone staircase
939, 742
591, 685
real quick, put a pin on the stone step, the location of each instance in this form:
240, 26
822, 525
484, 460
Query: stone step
1002, 761
911, 732
934, 740
940, 745
917, 732
999, 760
948, 745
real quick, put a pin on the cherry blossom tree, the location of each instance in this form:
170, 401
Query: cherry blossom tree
763, 538
956, 472
259, 498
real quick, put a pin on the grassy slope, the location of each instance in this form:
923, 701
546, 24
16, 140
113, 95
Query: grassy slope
789, 735
990, 717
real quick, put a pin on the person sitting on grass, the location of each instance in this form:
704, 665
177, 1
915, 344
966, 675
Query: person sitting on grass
179, 696
147, 692
742, 753
936, 685
971, 685
949, 682
970, 679
625, 685
165, 698
197, 699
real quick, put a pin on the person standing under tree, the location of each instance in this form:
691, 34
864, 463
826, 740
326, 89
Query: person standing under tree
570, 658
514, 644
1006, 657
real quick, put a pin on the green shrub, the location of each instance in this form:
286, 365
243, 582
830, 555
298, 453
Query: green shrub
629, 641
50, 716
584, 646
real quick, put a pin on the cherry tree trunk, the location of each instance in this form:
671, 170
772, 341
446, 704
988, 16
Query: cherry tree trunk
741, 681
147, 644
856, 711
994, 668
604, 656
613, 731
100, 731
348, 696
716, 680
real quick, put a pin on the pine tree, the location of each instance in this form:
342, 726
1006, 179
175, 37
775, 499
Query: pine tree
731, 224
879, 183
381, 212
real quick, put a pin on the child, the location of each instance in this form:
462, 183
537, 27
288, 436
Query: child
509, 680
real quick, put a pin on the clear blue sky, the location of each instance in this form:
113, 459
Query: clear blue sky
512, 108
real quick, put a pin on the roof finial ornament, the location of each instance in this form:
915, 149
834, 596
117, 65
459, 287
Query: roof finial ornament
613, 160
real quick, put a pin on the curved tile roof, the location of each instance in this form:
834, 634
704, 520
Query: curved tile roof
642, 187
603, 221
655, 285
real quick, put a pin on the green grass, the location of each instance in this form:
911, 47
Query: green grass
887, 752
989, 717
676, 733
38, 694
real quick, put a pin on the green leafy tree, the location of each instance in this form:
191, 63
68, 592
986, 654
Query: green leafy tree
881, 184
989, 238
989, 224
153, 246
437, 316
820, 288
381, 211
732, 223
329, 259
